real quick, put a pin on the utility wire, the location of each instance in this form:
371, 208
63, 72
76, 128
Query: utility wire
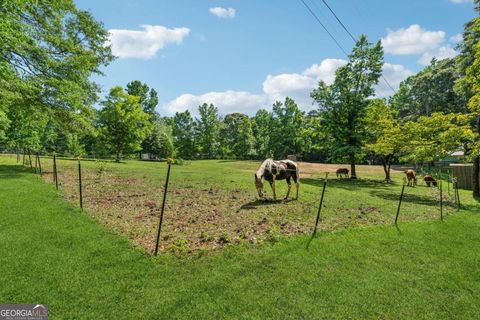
323, 26
333, 38
339, 21
353, 38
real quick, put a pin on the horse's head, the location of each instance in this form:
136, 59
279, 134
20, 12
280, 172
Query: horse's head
259, 185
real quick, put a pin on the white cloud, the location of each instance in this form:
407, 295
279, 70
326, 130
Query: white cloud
416, 40
412, 40
439, 53
226, 102
325, 70
394, 74
144, 44
225, 13
456, 38
298, 86
276, 87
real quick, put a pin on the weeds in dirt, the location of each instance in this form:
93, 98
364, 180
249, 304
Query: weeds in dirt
212, 204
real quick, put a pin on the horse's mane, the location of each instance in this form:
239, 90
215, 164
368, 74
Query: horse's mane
266, 166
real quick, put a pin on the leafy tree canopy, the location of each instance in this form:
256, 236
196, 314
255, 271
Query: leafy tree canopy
123, 124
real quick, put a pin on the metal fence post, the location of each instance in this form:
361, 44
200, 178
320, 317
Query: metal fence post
399, 203
80, 183
458, 195
30, 158
441, 201
320, 205
55, 176
39, 164
163, 209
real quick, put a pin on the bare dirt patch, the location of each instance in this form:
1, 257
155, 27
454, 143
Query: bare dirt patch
209, 213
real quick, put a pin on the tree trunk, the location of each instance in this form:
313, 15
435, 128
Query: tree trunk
117, 159
353, 172
475, 178
386, 168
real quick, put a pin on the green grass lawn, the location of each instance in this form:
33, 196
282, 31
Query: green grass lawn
52, 253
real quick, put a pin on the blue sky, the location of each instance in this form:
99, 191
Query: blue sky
242, 55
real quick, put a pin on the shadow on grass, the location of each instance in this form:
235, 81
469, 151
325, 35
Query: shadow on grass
407, 197
261, 203
348, 184
13, 172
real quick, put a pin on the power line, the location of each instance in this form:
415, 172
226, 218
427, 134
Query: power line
323, 26
339, 21
354, 40
334, 39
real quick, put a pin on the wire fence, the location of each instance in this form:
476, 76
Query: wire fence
208, 208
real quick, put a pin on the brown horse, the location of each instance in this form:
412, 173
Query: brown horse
271, 171
411, 177
429, 180
342, 173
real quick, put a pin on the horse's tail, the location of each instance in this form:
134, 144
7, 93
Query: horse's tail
297, 171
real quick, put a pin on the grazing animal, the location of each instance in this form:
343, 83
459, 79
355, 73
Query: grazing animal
429, 180
271, 171
411, 177
342, 173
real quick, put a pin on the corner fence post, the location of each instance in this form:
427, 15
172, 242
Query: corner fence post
320, 205
55, 176
399, 203
441, 201
80, 183
163, 208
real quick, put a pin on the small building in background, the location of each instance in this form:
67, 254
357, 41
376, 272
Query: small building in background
454, 157
294, 157
463, 172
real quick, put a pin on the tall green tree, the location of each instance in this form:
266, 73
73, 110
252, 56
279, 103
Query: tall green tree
385, 137
473, 80
49, 51
123, 124
431, 90
343, 104
287, 128
315, 141
148, 97
237, 135
262, 130
27, 125
160, 140
432, 138
207, 125
469, 86
183, 131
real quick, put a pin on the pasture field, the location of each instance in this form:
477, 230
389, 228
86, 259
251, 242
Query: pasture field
212, 204
55, 254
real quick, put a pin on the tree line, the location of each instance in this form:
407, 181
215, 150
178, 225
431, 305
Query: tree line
51, 50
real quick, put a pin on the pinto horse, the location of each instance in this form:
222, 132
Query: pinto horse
271, 171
